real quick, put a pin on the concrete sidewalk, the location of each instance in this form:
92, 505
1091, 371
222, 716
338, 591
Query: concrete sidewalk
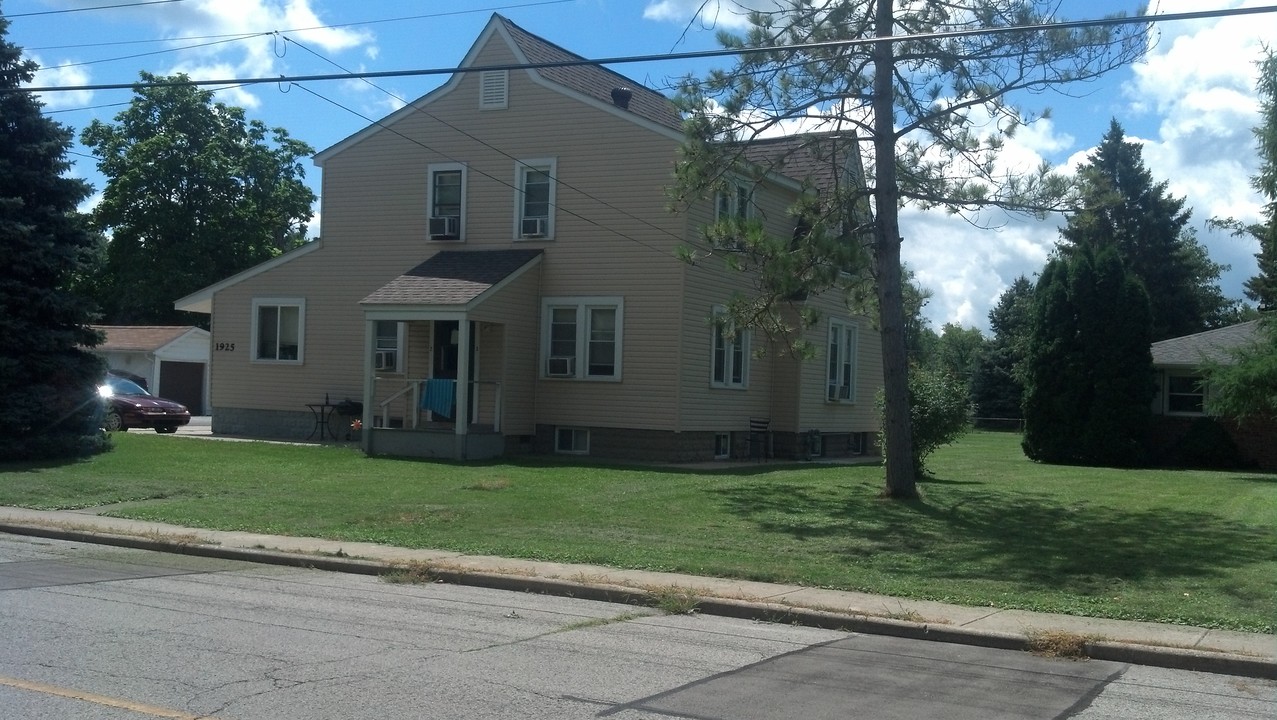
1142, 643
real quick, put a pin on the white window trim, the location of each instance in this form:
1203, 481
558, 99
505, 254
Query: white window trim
1166, 395
582, 305
400, 335
737, 188
300, 304
431, 169
551, 167
742, 339
726, 452
585, 432
849, 344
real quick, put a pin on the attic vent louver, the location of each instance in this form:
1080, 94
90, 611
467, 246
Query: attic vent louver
494, 89
621, 97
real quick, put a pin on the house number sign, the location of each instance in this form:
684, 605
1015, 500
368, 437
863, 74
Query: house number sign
224, 347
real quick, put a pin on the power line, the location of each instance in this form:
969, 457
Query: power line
490, 176
494, 8
96, 7
626, 59
492, 147
227, 39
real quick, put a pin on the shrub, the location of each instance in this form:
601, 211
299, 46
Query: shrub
939, 412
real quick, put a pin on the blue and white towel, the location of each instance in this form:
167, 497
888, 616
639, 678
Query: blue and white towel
440, 396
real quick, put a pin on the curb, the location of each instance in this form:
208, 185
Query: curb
1133, 654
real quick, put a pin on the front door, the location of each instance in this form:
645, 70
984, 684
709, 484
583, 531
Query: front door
445, 352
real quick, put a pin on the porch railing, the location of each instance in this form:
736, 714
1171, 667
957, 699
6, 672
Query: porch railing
413, 390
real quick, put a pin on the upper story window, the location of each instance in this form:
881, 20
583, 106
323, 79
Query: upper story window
843, 340
534, 199
279, 329
582, 338
731, 353
1185, 395
734, 202
387, 346
494, 89
447, 201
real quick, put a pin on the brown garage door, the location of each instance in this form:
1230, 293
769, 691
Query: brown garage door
183, 382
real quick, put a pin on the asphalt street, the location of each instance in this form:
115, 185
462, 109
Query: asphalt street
99, 632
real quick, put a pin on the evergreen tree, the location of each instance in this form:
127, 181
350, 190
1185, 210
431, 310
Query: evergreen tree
997, 388
1089, 370
195, 193
48, 400
1263, 287
913, 98
1124, 208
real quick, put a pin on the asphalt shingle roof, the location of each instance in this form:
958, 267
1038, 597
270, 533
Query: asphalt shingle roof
139, 338
1209, 346
594, 81
452, 277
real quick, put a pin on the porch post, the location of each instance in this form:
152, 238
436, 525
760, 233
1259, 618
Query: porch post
365, 433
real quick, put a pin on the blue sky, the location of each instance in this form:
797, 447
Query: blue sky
1191, 102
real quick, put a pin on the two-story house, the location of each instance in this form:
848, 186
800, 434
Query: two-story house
499, 273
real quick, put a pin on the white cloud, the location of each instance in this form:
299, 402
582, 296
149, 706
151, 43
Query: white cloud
725, 14
58, 76
257, 53
1198, 84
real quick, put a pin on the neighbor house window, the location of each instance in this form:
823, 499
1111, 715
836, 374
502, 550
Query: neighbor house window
843, 337
279, 328
1185, 395
447, 201
572, 441
534, 209
731, 353
734, 201
582, 338
387, 346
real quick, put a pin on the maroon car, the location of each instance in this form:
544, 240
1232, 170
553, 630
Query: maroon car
128, 405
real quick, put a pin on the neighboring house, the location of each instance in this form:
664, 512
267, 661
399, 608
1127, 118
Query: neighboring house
522, 215
1183, 394
171, 360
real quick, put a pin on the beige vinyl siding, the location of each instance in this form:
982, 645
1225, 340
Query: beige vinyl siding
772, 386
611, 172
507, 351
861, 415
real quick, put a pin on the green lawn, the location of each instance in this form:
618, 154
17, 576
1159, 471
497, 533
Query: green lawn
993, 528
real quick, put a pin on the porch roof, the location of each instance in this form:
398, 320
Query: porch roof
453, 277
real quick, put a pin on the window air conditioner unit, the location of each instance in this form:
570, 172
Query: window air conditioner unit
445, 226
562, 366
535, 227
384, 360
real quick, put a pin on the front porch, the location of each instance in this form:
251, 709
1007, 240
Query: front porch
419, 418
450, 352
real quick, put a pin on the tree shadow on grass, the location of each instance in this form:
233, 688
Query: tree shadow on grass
1031, 541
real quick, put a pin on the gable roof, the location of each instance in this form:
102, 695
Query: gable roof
453, 277
201, 301
1203, 347
593, 81
139, 338
586, 81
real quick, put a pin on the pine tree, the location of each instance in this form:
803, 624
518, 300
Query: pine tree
48, 400
1124, 208
1262, 288
997, 388
1089, 380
